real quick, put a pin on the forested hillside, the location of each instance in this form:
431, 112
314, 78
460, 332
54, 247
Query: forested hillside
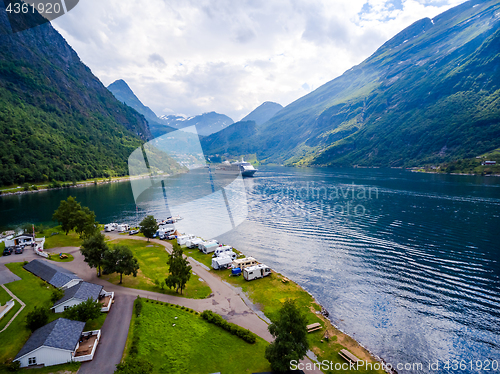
429, 95
57, 120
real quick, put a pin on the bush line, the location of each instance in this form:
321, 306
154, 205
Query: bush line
236, 330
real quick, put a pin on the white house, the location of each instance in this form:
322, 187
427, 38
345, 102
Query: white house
53, 274
59, 342
82, 292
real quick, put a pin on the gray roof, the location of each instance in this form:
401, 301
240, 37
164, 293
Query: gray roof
61, 333
82, 291
51, 273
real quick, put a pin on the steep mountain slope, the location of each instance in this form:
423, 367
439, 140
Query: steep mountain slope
232, 139
428, 95
206, 123
263, 113
121, 90
57, 121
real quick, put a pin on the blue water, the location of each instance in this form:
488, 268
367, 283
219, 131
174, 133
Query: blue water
408, 264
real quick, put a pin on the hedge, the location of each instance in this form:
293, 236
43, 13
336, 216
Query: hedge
240, 332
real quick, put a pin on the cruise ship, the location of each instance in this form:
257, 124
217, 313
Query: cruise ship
246, 168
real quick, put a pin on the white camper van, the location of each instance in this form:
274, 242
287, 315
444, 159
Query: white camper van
123, 227
220, 251
221, 262
181, 240
243, 263
255, 272
193, 243
208, 247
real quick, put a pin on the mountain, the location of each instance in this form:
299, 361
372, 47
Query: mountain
263, 113
431, 94
206, 123
123, 93
57, 120
232, 139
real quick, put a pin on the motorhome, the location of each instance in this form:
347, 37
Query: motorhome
221, 262
193, 243
208, 247
109, 228
243, 263
123, 227
181, 240
221, 250
164, 231
255, 272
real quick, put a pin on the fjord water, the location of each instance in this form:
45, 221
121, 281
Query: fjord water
406, 263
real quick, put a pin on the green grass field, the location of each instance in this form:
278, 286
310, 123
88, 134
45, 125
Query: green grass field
152, 260
59, 240
193, 345
55, 257
33, 292
269, 293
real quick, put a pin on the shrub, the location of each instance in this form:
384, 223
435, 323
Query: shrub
37, 318
236, 330
57, 294
138, 306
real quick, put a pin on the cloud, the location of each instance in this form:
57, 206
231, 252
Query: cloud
157, 60
195, 56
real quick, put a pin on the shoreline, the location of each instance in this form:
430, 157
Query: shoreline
78, 185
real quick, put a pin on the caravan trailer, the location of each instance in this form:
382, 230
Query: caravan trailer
220, 251
221, 262
109, 228
208, 247
193, 243
181, 240
255, 272
243, 263
123, 227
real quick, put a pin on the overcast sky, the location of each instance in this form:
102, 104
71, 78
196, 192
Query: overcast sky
229, 56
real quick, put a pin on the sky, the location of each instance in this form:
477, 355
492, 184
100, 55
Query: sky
229, 56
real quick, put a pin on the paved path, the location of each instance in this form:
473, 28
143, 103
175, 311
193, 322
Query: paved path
224, 301
113, 338
19, 311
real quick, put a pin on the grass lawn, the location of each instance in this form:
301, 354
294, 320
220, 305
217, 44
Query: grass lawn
270, 292
55, 257
60, 239
152, 260
33, 292
192, 345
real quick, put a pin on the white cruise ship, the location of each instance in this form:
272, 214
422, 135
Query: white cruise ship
246, 168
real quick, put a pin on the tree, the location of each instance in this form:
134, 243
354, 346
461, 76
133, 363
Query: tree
85, 223
37, 318
89, 309
180, 270
149, 227
65, 213
57, 294
93, 250
121, 260
290, 333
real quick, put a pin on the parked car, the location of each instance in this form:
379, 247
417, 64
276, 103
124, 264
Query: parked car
133, 232
19, 250
7, 251
171, 237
